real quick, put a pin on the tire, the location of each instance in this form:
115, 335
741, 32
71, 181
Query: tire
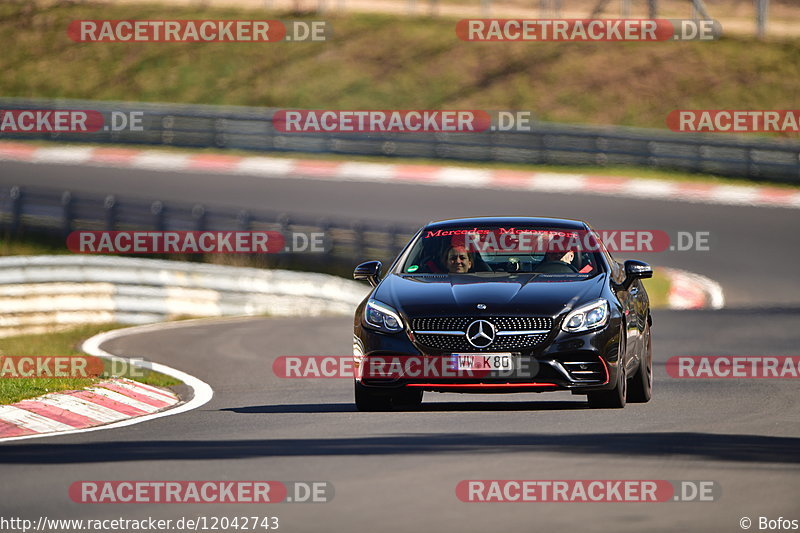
369, 401
407, 399
614, 398
640, 389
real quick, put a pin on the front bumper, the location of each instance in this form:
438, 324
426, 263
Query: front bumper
579, 363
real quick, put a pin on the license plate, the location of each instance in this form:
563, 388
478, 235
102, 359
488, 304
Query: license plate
483, 361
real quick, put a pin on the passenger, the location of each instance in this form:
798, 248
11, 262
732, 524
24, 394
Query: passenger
458, 260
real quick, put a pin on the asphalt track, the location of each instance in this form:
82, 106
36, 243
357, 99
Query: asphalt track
398, 471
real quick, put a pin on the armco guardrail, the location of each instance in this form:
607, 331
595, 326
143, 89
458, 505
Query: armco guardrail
25, 211
42, 292
547, 143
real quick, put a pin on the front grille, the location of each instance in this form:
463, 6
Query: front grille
457, 342
441, 324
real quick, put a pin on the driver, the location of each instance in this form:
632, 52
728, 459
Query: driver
458, 260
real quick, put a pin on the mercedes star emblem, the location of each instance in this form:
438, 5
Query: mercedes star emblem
480, 333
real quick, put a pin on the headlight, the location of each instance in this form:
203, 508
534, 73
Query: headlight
590, 316
382, 317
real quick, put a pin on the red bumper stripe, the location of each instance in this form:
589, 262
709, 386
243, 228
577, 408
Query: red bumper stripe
482, 385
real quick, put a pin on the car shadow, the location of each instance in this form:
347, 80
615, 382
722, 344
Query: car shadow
676, 445
425, 407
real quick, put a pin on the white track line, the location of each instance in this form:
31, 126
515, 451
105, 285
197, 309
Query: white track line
552, 182
365, 172
462, 177
69, 155
155, 160
202, 390
271, 167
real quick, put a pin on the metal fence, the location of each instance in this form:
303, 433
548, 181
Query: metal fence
246, 128
54, 214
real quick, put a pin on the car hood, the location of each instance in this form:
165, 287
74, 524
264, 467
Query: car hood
459, 295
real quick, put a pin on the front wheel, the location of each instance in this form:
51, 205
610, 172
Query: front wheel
641, 389
614, 398
407, 399
367, 400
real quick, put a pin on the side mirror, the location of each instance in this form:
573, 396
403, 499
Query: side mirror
636, 270
369, 271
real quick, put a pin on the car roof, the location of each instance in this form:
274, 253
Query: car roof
563, 223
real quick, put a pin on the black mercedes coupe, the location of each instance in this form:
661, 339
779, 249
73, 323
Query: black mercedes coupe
502, 304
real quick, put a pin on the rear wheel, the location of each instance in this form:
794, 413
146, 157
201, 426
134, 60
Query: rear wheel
614, 398
641, 387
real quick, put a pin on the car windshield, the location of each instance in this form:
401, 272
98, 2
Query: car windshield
502, 250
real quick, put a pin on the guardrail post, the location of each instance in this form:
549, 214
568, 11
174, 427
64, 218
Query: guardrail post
358, 239
167, 133
199, 215
16, 209
392, 248
284, 223
698, 7
625, 9
598, 8
762, 10
157, 210
243, 220
701, 158
652, 9
110, 206
325, 227
220, 132
66, 213
755, 171
601, 151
